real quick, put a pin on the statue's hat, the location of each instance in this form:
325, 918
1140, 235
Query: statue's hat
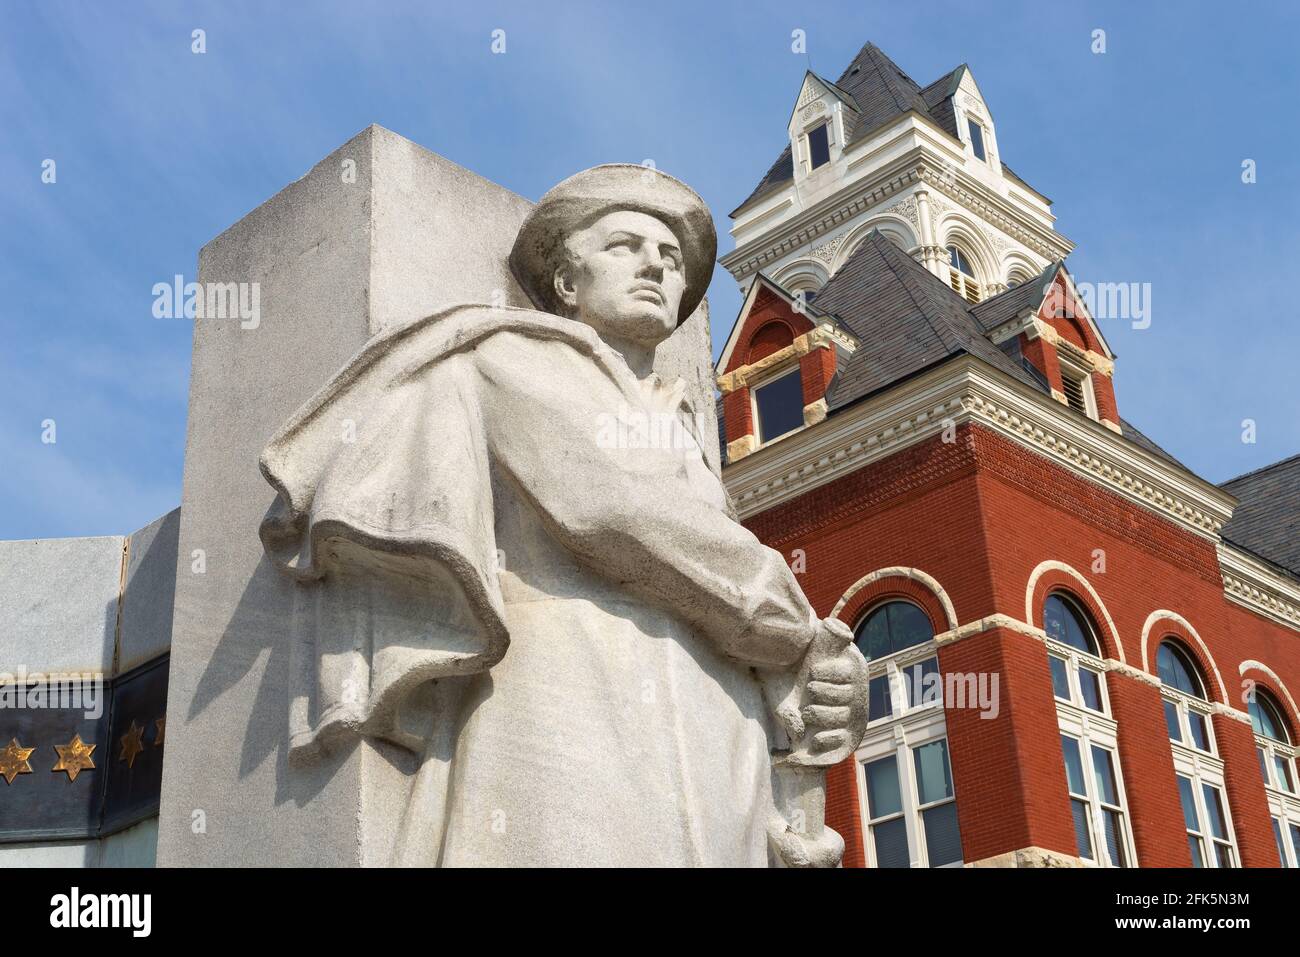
585, 196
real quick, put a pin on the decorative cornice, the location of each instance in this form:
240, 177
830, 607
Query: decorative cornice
917, 166
967, 390
1250, 582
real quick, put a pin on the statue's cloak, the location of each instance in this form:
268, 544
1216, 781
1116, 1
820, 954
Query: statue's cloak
490, 473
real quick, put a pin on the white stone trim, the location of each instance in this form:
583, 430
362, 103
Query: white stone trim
1254, 585
966, 389
1163, 614
899, 571
1278, 684
1053, 565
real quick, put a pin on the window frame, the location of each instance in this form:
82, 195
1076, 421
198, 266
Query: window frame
772, 376
1200, 779
965, 284
826, 125
1076, 372
901, 737
972, 125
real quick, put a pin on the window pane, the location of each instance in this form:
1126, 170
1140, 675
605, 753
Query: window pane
1263, 764
1214, 809
1090, 688
1114, 824
1064, 623
893, 627
942, 839
780, 406
878, 703
1190, 817
1171, 722
1073, 766
908, 626
1265, 717
922, 689
1177, 671
1194, 842
882, 788
1295, 842
819, 146
1060, 678
891, 844
1082, 837
976, 139
1200, 736
1277, 836
1105, 774
1283, 768
933, 782
1223, 855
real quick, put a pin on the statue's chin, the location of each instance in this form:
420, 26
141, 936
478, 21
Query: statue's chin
648, 327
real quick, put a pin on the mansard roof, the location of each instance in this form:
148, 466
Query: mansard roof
906, 319
1267, 519
881, 92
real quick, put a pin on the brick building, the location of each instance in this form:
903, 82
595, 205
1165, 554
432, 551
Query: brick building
1081, 652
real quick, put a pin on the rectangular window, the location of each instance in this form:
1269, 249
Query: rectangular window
1283, 767
923, 683
780, 406
819, 146
885, 813
1200, 734
1172, 722
938, 809
1073, 387
1078, 797
1223, 856
1277, 836
977, 140
1191, 820
879, 704
1060, 678
1090, 688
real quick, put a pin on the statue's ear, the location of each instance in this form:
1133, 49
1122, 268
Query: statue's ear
566, 292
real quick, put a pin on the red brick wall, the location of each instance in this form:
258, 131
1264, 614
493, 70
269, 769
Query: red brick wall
979, 515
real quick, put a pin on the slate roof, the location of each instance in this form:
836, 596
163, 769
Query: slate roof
1267, 520
906, 319
882, 92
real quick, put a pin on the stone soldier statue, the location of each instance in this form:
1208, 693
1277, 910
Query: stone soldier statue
508, 568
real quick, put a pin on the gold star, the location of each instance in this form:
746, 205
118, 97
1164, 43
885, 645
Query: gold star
131, 744
74, 757
13, 761
161, 725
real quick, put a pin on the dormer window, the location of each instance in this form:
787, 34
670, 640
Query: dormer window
819, 146
977, 140
961, 276
778, 406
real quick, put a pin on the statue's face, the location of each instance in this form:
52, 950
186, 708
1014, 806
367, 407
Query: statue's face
625, 277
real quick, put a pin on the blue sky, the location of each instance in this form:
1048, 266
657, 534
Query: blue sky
159, 149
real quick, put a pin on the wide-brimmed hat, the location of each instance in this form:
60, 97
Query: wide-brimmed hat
585, 196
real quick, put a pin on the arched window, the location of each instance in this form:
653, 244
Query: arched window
1088, 741
1177, 670
961, 275
1200, 783
892, 627
1069, 624
911, 811
1277, 763
1266, 716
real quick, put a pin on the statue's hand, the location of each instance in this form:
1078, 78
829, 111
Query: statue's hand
825, 715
